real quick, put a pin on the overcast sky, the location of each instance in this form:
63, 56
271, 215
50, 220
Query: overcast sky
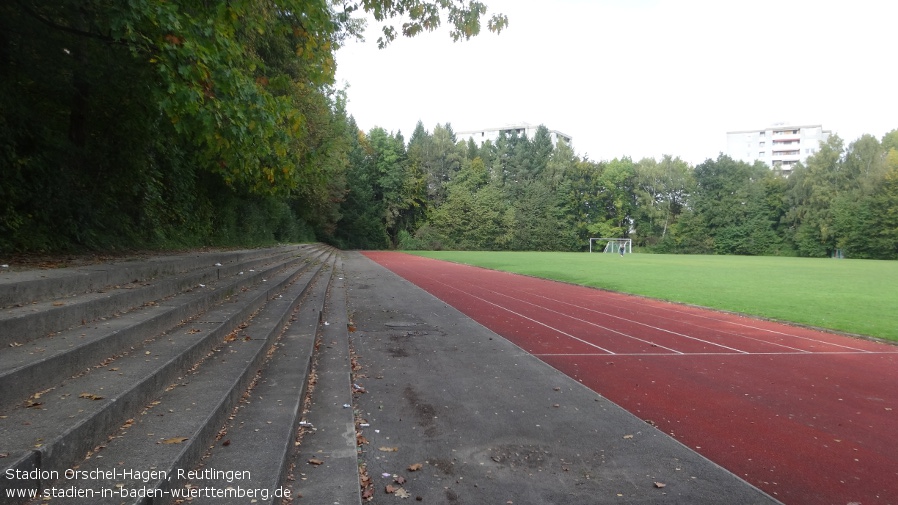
640, 78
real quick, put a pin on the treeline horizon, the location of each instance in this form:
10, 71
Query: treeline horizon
435, 192
170, 125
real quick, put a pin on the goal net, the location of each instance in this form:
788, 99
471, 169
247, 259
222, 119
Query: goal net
611, 245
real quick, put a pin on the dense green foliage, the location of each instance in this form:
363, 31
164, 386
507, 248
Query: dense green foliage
526, 194
154, 123
854, 296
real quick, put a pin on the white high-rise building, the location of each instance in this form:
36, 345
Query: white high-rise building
522, 129
780, 145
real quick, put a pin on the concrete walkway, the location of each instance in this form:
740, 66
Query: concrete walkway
461, 415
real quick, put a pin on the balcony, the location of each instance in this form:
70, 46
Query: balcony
783, 135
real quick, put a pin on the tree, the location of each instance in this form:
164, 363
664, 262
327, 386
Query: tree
390, 169
884, 205
361, 225
858, 215
147, 122
581, 190
539, 218
502, 159
730, 209
661, 193
864, 164
812, 190
558, 166
615, 199
420, 16
334, 134
442, 161
541, 149
475, 215
521, 168
890, 141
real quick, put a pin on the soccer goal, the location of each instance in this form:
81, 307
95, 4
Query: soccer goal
611, 245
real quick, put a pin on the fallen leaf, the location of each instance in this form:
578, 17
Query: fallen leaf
226, 442
388, 449
175, 440
415, 467
316, 462
389, 489
660, 484
368, 494
399, 480
58, 304
31, 405
628, 437
401, 493
90, 396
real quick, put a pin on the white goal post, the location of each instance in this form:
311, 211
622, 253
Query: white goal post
613, 245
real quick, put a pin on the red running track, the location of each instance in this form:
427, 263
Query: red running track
807, 416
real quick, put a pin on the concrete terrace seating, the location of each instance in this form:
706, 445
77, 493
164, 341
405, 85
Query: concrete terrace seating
149, 370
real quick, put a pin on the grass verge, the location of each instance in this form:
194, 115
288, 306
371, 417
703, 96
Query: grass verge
854, 296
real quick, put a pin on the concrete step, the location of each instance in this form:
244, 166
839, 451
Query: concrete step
327, 464
260, 437
24, 287
199, 365
27, 321
46, 361
175, 429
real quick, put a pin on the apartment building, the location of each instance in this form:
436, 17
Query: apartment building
522, 129
780, 145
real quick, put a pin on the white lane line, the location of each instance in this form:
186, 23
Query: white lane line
734, 323
816, 341
670, 319
525, 317
638, 354
682, 335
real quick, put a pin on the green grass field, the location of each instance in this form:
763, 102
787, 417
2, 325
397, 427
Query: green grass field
854, 296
